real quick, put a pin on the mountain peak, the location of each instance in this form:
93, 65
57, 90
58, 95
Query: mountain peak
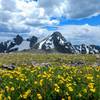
56, 34
55, 42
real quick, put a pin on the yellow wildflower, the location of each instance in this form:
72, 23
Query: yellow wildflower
98, 76
35, 82
41, 82
85, 90
67, 93
59, 76
93, 90
56, 90
61, 82
80, 95
69, 97
56, 85
39, 75
39, 96
11, 76
26, 94
70, 89
90, 77
44, 76
63, 99
1, 96
7, 88
91, 85
9, 98
22, 79
50, 79
69, 84
12, 89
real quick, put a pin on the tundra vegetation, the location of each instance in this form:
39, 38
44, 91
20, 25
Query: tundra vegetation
49, 77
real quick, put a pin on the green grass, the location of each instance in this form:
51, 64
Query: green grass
53, 83
20, 58
57, 82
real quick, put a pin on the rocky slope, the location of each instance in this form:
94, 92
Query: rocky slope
17, 44
57, 42
53, 43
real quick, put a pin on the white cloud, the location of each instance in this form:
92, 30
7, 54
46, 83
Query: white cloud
18, 16
71, 8
52, 7
41, 33
77, 34
82, 8
8, 5
81, 33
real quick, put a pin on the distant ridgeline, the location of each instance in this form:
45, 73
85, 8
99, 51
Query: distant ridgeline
8, 46
53, 43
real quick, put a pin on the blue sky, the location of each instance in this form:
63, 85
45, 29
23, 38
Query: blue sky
77, 20
95, 20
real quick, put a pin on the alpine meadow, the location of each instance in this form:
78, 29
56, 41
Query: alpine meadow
49, 50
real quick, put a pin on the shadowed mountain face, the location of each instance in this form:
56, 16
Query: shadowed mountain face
55, 42
18, 40
17, 44
9, 46
61, 44
32, 41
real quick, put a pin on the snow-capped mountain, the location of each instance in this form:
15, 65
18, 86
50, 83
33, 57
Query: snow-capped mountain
53, 43
57, 42
87, 49
10, 45
17, 44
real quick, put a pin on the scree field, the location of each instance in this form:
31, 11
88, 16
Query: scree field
29, 76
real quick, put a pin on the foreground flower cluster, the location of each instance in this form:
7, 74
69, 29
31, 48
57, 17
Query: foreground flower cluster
50, 83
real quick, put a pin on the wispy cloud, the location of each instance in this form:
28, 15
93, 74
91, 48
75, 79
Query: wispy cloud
81, 33
33, 17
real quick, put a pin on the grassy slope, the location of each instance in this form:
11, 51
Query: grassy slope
20, 58
49, 83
